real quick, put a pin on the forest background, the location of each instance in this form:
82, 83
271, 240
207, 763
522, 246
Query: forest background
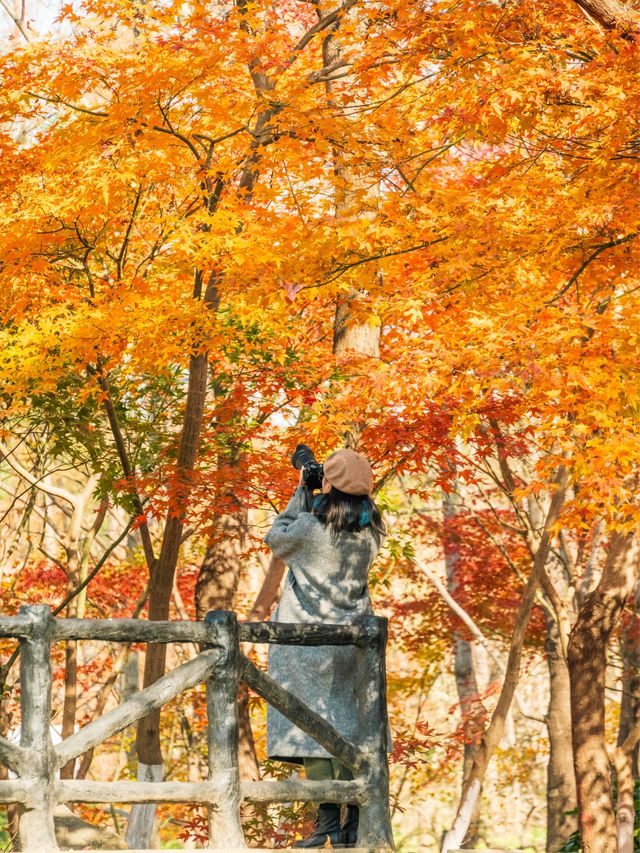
408, 227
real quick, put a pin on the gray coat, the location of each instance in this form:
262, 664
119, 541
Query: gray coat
326, 582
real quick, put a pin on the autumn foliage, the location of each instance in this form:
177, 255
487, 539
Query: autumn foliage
185, 181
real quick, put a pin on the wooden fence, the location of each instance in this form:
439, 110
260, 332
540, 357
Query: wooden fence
221, 666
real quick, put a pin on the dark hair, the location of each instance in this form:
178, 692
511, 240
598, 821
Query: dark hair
352, 513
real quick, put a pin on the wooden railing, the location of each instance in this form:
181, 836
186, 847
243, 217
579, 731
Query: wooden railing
221, 666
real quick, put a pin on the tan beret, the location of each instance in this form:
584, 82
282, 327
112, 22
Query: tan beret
349, 472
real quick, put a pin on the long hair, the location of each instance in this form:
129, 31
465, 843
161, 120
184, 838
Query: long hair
352, 513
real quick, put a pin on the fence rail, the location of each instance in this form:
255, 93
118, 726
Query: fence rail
222, 667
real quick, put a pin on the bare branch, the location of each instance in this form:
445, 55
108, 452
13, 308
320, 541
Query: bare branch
37, 483
17, 21
57, 100
462, 614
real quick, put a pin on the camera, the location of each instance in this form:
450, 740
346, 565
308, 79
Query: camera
312, 470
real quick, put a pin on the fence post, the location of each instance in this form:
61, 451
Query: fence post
225, 829
36, 825
375, 820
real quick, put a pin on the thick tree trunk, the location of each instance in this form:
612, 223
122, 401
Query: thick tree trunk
466, 683
587, 668
561, 782
612, 15
220, 570
628, 743
349, 335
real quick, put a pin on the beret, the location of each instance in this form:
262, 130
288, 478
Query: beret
349, 472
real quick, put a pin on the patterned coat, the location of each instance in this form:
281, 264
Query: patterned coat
326, 583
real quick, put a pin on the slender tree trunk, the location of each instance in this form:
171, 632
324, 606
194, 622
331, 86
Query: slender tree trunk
216, 589
219, 574
495, 730
78, 551
630, 654
470, 707
466, 683
588, 642
561, 782
269, 590
628, 742
148, 737
348, 333
161, 585
625, 813
70, 702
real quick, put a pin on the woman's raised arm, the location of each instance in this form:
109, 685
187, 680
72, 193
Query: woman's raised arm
288, 530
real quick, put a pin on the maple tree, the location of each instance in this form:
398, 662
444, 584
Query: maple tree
228, 227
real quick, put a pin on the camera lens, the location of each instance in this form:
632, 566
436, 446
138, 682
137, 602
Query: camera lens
301, 455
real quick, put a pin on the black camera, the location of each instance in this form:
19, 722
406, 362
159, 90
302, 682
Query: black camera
312, 470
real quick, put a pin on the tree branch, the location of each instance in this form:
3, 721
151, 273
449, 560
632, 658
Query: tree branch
17, 21
57, 100
598, 250
323, 23
47, 488
462, 614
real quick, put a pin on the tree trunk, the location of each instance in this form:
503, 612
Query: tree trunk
625, 812
160, 588
612, 15
78, 548
630, 703
466, 683
70, 680
348, 334
588, 642
148, 736
494, 731
269, 590
471, 707
216, 589
561, 782
220, 570
628, 743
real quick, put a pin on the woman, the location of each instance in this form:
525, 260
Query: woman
329, 550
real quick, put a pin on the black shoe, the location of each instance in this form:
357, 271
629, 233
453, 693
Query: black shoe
327, 824
350, 826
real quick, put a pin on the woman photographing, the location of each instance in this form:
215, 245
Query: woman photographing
328, 541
